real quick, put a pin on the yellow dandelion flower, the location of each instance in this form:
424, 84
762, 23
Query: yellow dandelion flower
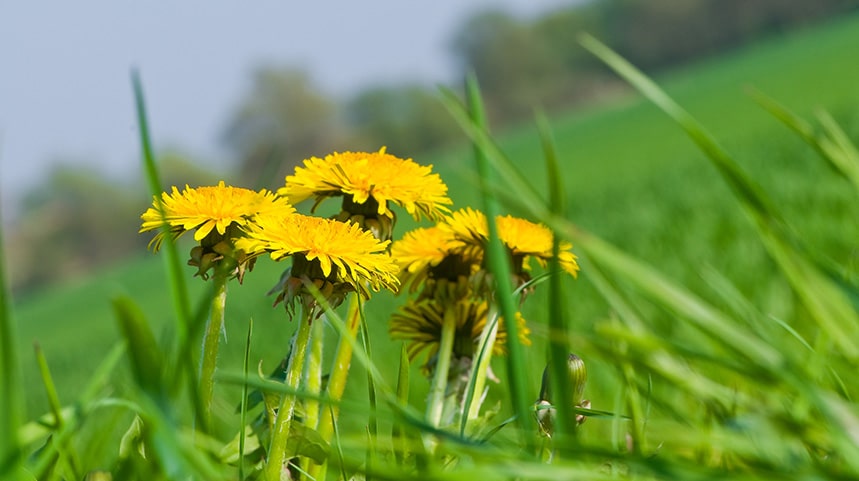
421, 248
426, 258
218, 214
419, 323
370, 179
534, 241
525, 240
338, 257
210, 208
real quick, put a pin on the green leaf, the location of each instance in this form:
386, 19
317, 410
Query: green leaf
304, 441
146, 357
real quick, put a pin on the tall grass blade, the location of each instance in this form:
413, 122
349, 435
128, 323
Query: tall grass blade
176, 278
146, 356
828, 306
559, 332
403, 383
499, 265
179, 290
11, 397
844, 153
627, 313
372, 424
243, 407
518, 186
744, 188
834, 146
65, 452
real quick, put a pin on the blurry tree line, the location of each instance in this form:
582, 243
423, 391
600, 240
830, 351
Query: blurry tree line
78, 218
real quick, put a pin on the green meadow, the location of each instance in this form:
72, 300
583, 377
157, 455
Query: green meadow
631, 176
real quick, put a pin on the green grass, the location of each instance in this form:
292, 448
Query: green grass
631, 176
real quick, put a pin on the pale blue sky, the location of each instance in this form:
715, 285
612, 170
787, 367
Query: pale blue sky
64, 67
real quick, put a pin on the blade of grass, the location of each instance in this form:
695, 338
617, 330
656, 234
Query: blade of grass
499, 265
146, 356
244, 403
744, 188
842, 153
559, 333
519, 186
65, 451
181, 302
11, 398
403, 383
827, 304
372, 427
836, 148
175, 276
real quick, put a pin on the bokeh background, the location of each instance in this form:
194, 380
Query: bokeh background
245, 92
248, 91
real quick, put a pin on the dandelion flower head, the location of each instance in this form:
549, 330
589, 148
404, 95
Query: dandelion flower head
524, 239
364, 177
210, 208
419, 323
340, 256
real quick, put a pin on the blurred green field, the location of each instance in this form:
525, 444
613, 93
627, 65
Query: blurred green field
631, 176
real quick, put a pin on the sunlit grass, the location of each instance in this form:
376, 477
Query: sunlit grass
720, 336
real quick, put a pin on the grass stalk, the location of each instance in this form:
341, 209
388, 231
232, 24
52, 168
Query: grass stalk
11, 398
175, 276
65, 451
181, 300
397, 431
499, 263
211, 343
372, 421
243, 407
280, 434
559, 332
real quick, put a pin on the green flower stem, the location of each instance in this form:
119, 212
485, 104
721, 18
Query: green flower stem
314, 384
280, 434
211, 341
337, 380
442, 367
314, 374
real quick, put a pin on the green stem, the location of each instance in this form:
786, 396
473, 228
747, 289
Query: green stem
314, 375
314, 384
442, 367
280, 434
337, 380
211, 342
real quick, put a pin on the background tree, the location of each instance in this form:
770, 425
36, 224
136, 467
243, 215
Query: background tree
518, 70
283, 120
408, 120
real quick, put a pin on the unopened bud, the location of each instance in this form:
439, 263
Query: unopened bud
577, 378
